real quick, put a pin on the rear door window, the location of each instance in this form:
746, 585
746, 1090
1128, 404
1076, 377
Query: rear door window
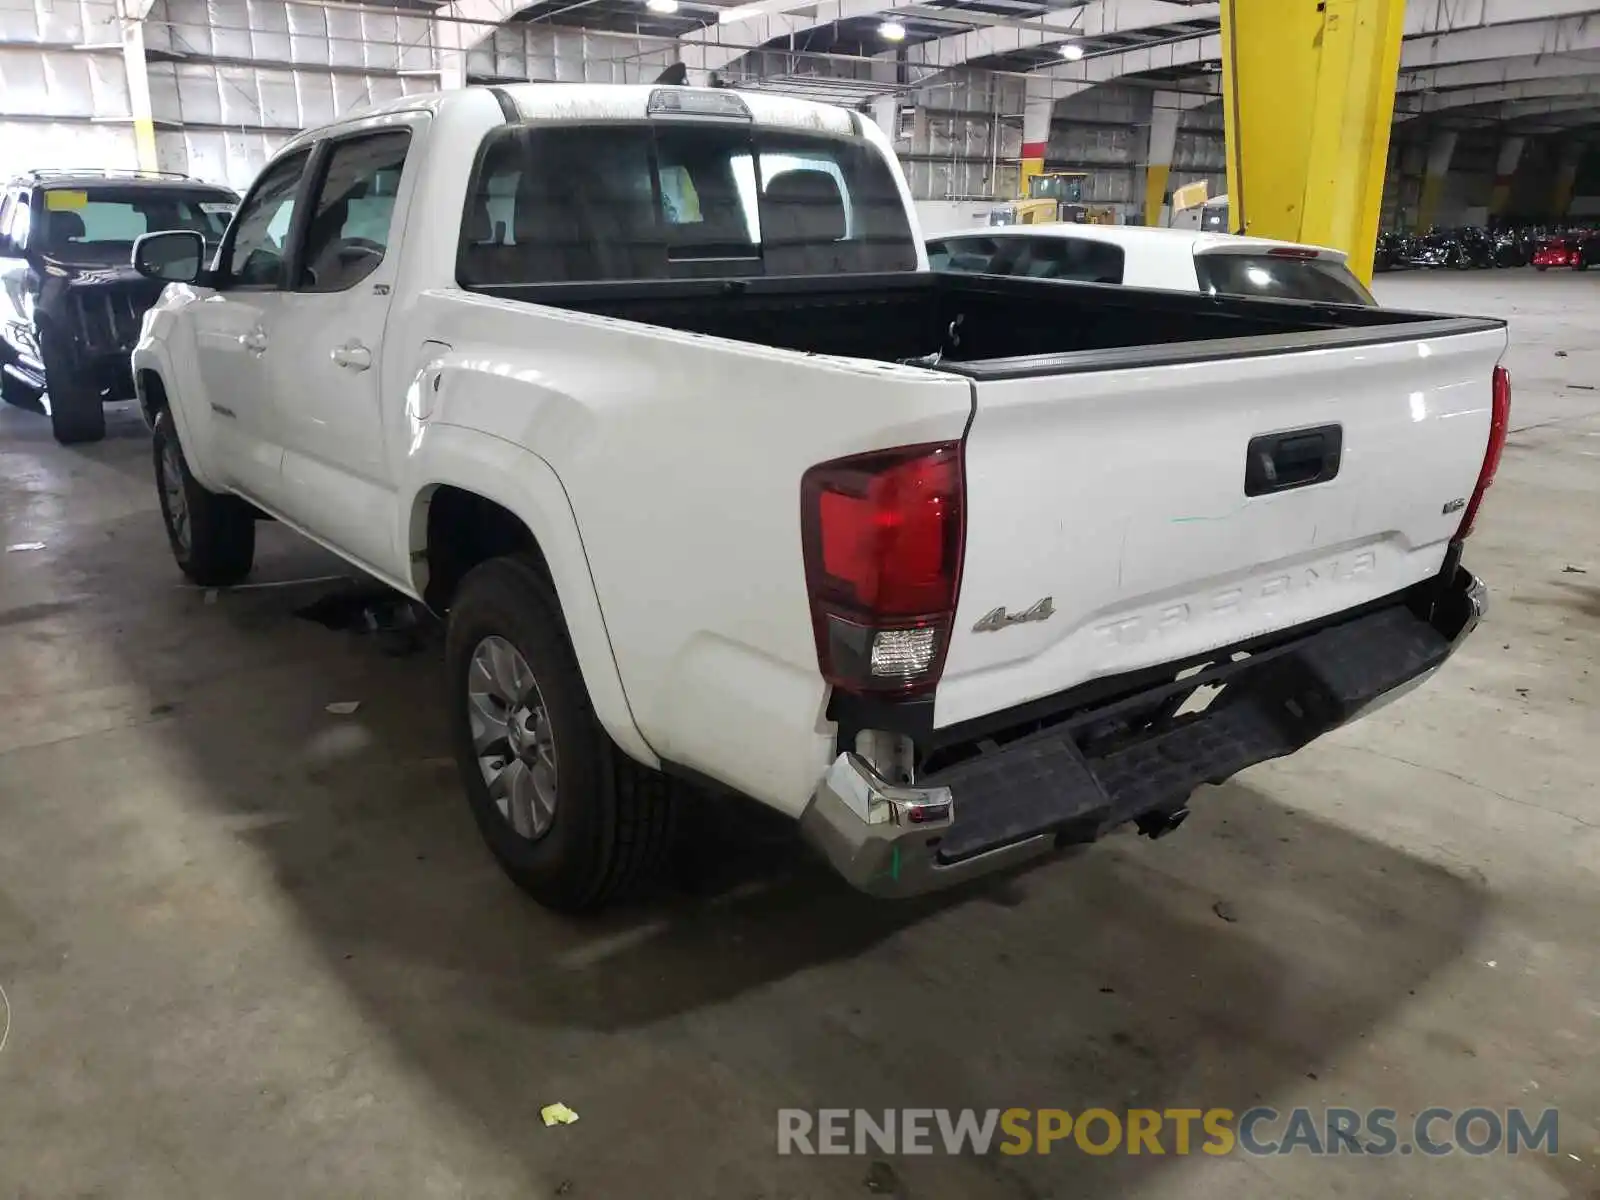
1326, 281
592, 203
348, 235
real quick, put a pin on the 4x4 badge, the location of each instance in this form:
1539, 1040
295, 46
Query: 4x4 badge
995, 619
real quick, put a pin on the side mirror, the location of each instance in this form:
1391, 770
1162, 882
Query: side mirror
174, 256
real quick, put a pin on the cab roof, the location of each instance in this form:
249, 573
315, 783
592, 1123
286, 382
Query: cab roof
570, 102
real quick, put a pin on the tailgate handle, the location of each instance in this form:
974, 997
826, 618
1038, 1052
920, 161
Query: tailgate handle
1280, 462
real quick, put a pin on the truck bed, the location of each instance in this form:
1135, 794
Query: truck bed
987, 326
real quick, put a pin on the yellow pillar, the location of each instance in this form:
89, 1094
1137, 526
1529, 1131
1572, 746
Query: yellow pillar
1155, 191
1308, 91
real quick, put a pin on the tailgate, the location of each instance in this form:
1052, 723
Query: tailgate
1108, 522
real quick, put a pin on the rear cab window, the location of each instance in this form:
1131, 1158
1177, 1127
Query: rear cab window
1280, 277
555, 204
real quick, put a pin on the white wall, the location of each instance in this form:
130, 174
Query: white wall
232, 80
62, 103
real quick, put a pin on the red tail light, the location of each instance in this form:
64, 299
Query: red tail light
882, 535
1499, 427
1304, 252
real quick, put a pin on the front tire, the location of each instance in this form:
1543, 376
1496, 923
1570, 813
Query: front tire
213, 537
571, 819
77, 413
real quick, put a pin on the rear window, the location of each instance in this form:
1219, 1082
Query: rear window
1273, 277
584, 203
1045, 257
971, 255
1079, 259
101, 223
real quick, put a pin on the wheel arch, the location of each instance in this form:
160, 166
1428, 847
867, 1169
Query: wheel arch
480, 497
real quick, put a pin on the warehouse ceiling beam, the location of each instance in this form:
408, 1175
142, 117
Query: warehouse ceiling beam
1428, 19
707, 50
1090, 21
1506, 70
1527, 89
1568, 35
1444, 16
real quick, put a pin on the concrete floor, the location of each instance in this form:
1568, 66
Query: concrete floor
253, 949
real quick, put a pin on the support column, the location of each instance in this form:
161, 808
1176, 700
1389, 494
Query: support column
1308, 92
886, 109
1036, 112
450, 40
1158, 160
1505, 170
133, 61
1566, 181
1440, 151
886, 115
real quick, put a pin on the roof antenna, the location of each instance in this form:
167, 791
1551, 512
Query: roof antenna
676, 75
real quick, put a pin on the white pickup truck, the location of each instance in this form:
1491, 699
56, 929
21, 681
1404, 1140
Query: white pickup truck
648, 391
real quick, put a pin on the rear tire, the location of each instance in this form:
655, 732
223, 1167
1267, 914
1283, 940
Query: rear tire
608, 826
77, 414
213, 538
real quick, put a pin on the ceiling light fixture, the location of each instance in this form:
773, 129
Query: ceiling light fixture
892, 31
662, 6
1071, 51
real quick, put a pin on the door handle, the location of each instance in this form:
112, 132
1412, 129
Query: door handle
352, 356
255, 341
1280, 462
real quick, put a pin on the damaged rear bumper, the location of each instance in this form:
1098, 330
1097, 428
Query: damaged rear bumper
1133, 759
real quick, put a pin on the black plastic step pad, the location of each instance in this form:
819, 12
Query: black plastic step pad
1043, 783
1031, 787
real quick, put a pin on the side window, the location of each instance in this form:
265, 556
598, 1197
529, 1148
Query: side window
261, 231
1078, 259
349, 230
970, 255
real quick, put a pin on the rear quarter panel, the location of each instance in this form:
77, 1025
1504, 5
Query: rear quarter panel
682, 456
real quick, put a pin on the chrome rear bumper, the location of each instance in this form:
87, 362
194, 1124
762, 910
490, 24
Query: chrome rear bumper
1063, 786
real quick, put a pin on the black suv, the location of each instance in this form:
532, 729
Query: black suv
70, 302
